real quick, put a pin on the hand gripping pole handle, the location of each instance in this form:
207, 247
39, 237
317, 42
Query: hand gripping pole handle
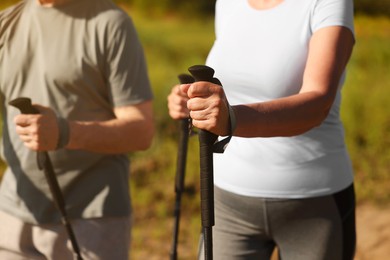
206, 142
44, 163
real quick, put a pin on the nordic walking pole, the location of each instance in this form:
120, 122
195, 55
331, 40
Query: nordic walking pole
44, 163
180, 170
206, 142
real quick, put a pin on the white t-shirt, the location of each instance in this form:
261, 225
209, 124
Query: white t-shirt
260, 55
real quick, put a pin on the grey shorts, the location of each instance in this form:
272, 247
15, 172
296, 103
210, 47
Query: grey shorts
321, 228
99, 239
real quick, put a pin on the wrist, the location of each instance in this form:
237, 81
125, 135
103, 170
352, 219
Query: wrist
63, 133
232, 120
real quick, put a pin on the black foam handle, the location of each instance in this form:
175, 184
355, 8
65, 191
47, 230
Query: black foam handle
202, 73
206, 142
24, 105
186, 79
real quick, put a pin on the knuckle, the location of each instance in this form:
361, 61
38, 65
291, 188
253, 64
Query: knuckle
213, 123
218, 90
217, 102
34, 131
189, 104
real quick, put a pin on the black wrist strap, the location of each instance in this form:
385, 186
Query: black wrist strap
220, 146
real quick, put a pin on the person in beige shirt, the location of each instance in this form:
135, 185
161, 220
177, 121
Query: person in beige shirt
82, 65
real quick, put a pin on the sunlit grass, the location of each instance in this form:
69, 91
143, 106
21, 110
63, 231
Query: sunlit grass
174, 43
366, 108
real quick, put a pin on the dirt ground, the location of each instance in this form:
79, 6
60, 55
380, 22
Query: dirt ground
373, 232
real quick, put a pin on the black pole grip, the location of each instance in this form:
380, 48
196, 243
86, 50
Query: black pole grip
44, 163
206, 142
24, 105
202, 73
186, 79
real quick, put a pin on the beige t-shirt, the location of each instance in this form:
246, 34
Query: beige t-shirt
82, 59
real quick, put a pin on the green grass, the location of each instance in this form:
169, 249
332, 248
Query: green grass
366, 109
172, 44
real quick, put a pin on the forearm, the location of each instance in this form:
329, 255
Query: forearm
110, 137
131, 130
288, 116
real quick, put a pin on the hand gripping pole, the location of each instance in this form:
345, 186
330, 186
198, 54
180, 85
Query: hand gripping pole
206, 142
44, 163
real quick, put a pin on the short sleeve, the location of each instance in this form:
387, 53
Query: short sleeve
333, 13
126, 70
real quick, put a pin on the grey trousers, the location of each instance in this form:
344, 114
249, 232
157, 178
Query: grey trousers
101, 238
247, 228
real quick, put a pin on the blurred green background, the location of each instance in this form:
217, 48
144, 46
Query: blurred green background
178, 34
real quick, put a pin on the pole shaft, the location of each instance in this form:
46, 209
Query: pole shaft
180, 171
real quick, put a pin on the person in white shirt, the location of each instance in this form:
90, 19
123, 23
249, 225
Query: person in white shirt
285, 179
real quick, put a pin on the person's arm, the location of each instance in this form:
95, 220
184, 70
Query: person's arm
131, 130
329, 51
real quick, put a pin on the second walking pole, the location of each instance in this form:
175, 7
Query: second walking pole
180, 170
